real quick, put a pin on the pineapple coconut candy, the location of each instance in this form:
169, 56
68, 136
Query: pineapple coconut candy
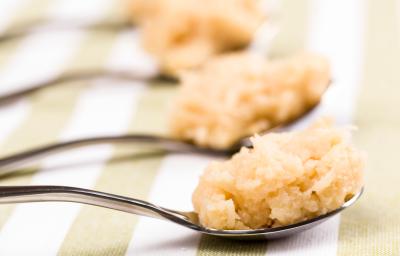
284, 179
183, 34
237, 95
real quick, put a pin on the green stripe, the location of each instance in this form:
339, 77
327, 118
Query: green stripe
211, 246
291, 38
98, 231
372, 226
293, 28
33, 10
50, 111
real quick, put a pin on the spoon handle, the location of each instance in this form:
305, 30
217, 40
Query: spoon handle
45, 25
25, 194
79, 75
11, 163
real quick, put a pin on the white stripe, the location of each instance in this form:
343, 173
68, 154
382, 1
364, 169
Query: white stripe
317, 241
100, 110
138, 61
24, 67
173, 188
398, 15
11, 116
88, 10
39, 56
8, 9
36, 56
345, 54
340, 39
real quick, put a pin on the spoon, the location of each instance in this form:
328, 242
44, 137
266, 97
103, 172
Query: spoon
42, 25
260, 44
18, 160
24, 194
81, 75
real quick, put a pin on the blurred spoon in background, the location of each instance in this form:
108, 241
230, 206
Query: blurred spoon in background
260, 44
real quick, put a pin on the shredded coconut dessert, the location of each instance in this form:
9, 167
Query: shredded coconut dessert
236, 95
286, 178
182, 34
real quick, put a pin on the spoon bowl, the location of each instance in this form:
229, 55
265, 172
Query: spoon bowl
24, 194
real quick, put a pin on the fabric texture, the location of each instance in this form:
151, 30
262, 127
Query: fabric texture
362, 40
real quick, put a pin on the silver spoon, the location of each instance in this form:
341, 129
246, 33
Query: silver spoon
18, 160
114, 25
82, 75
24, 194
12, 162
45, 25
259, 44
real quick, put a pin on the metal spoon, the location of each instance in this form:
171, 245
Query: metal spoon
24, 194
259, 44
82, 75
18, 160
45, 25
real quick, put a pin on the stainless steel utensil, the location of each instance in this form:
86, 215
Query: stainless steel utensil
259, 44
18, 160
53, 26
24, 194
11, 163
81, 75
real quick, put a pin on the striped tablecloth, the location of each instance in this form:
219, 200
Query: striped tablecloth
362, 40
